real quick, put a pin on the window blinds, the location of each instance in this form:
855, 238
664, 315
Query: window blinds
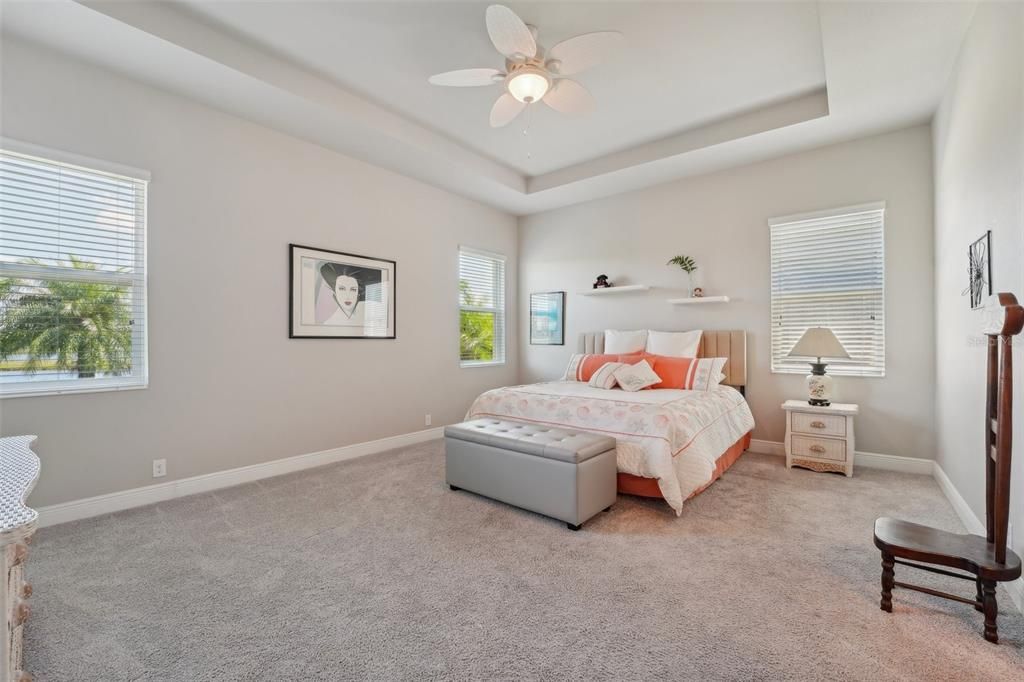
72, 277
828, 270
481, 307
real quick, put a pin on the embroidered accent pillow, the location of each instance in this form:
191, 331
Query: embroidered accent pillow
708, 373
616, 341
582, 366
674, 344
636, 377
604, 377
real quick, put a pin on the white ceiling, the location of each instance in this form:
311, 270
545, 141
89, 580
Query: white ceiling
683, 64
698, 87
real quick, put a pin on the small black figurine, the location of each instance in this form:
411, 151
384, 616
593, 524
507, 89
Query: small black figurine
602, 282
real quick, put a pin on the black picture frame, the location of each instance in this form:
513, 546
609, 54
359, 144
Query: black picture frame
299, 328
540, 303
979, 270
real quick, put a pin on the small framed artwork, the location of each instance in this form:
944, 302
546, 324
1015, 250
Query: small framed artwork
337, 295
979, 270
547, 318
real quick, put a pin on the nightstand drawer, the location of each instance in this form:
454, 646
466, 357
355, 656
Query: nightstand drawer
818, 448
819, 424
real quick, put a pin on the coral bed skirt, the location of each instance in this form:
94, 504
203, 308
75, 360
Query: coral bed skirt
648, 487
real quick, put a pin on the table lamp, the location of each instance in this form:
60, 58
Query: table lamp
818, 342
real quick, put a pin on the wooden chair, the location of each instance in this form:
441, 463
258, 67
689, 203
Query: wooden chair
986, 559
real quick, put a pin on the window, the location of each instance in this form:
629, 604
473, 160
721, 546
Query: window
72, 274
828, 270
481, 308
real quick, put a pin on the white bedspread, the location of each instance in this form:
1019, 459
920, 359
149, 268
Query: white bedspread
671, 435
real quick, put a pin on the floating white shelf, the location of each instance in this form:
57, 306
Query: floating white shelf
702, 299
614, 290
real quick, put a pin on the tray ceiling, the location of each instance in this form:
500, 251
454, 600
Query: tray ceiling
699, 86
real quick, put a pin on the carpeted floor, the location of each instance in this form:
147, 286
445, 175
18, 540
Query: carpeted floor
372, 568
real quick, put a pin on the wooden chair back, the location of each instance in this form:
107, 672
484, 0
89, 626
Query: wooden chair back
1005, 319
987, 560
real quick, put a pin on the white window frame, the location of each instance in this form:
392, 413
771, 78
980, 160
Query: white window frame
802, 366
499, 312
139, 378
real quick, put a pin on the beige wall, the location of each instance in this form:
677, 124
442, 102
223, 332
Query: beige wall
227, 386
720, 220
979, 185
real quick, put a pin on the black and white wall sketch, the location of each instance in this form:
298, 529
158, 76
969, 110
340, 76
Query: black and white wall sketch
979, 270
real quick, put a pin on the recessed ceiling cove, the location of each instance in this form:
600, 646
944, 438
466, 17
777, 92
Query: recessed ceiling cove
682, 64
681, 88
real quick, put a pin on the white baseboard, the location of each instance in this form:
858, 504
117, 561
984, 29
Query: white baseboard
767, 447
974, 525
907, 465
872, 460
1016, 590
914, 465
971, 522
160, 492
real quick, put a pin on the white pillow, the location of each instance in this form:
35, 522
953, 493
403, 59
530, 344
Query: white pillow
605, 376
617, 342
636, 377
673, 344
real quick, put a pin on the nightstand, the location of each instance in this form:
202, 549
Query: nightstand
820, 438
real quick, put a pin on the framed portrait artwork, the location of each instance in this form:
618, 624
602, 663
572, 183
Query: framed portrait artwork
547, 318
337, 295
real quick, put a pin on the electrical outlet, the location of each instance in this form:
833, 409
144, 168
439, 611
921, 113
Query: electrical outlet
426, 420
159, 468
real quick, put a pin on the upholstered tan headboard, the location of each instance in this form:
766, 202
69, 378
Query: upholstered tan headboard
730, 344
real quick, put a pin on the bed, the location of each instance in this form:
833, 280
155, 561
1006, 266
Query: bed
670, 443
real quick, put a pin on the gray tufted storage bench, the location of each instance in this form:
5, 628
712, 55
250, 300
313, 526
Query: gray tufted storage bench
566, 474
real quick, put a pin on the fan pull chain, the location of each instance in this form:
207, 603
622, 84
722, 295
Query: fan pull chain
526, 131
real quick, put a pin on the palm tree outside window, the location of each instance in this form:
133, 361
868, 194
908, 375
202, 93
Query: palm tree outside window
72, 274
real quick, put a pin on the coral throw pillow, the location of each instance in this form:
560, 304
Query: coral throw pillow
582, 367
636, 377
687, 373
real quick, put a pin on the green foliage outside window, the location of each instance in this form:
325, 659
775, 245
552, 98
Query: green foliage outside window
476, 328
65, 325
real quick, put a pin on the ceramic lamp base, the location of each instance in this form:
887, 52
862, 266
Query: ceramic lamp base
819, 386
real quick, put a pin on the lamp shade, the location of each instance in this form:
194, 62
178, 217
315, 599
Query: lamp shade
818, 342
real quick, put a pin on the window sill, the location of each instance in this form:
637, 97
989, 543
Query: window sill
482, 364
53, 391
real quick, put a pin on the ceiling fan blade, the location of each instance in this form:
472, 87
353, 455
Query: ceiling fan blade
511, 37
582, 52
505, 110
569, 97
467, 78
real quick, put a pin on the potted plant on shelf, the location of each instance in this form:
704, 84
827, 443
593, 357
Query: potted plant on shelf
687, 265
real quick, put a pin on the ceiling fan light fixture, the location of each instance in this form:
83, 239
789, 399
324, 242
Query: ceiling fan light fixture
527, 78
528, 84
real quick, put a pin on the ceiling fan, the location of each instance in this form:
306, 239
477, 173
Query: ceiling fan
530, 75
